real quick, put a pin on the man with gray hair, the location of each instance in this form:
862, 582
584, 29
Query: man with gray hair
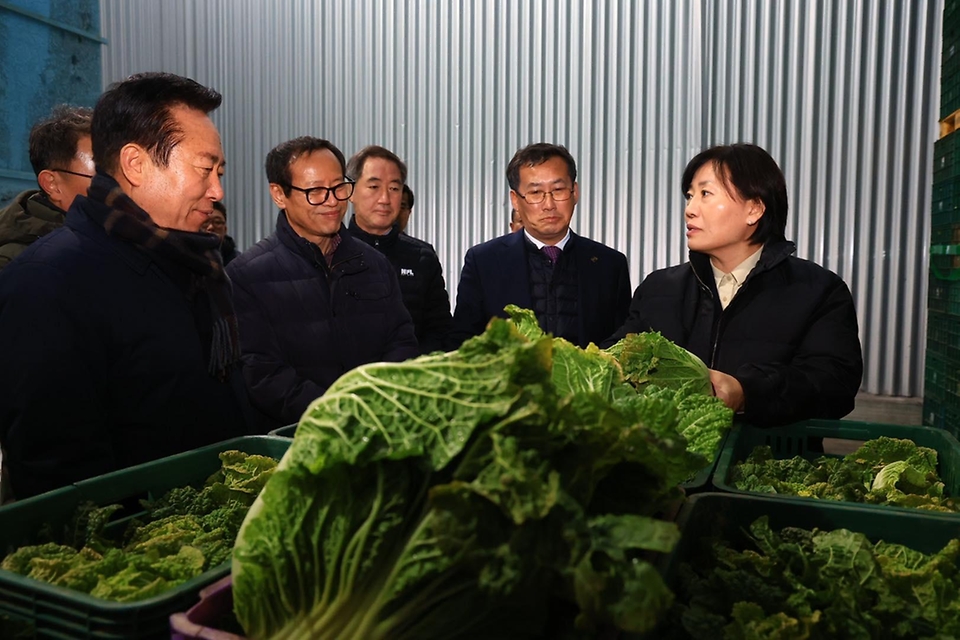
380, 177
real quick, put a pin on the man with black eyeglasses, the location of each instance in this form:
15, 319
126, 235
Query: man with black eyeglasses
217, 225
312, 300
578, 288
62, 160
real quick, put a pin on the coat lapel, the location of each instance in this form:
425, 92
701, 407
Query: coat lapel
515, 281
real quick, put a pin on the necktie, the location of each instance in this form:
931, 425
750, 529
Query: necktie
552, 252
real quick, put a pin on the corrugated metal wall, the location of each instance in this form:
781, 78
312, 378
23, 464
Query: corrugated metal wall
843, 94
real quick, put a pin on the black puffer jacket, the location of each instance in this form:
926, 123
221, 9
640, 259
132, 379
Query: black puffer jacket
302, 324
789, 336
421, 283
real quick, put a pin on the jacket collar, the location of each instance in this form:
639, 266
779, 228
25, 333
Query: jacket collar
38, 205
519, 238
348, 256
296, 243
379, 242
773, 254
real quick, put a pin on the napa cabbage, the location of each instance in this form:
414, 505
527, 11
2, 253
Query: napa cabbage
505, 490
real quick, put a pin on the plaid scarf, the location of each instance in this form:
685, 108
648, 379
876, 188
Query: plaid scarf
196, 252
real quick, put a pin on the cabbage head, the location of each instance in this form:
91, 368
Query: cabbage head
650, 359
460, 495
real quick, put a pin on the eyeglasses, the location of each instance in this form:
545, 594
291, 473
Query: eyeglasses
536, 196
73, 173
318, 195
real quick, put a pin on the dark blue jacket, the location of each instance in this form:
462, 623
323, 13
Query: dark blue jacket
789, 336
103, 364
302, 324
495, 275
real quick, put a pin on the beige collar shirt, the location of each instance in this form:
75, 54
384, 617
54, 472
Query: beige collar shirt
728, 284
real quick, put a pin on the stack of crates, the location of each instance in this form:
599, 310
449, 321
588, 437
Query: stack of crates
941, 397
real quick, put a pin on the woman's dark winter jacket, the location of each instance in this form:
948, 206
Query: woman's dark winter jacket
421, 283
789, 336
303, 324
104, 364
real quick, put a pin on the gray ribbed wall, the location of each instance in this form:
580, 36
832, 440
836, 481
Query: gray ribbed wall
842, 93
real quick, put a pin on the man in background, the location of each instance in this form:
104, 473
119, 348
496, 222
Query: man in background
515, 223
579, 289
406, 207
62, 160
217, 225
117, 331
377, 198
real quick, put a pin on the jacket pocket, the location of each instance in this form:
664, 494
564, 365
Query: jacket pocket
369, 291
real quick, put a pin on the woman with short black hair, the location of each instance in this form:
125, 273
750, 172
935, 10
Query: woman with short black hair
779, 333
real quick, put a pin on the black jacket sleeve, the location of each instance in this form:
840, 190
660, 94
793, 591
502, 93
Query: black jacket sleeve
402, 342
622, 306
468, 318
436, 322
633, 321
823, 377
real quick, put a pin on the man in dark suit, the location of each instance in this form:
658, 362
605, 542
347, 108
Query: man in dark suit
578, 288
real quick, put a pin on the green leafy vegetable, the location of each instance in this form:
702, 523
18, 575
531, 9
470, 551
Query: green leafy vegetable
649, 358
674, 380
469, 495
184, 533
885, 470
819, 585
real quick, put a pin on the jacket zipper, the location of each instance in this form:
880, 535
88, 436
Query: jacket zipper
334, 279
716, 339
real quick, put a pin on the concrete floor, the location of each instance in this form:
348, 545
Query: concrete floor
877, 409
887, 410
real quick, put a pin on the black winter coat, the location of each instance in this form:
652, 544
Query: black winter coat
789, 336
421, 283
303, 324
103, 363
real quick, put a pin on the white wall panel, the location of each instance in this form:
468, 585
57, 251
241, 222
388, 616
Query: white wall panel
842, 93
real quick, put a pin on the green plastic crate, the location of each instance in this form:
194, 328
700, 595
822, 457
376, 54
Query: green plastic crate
727, 516
945, 234
943, 296
285, 432
943, 345
944, 167
805, 439
701, 481
56, 612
